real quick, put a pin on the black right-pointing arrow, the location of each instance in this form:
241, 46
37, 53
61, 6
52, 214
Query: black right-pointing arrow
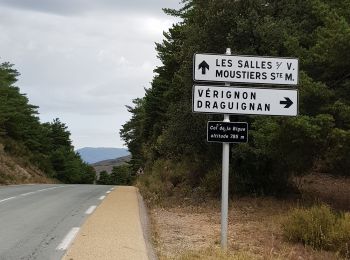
203, 65
287, 102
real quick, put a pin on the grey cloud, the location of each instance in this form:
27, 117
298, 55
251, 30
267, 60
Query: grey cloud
71, 7
91, 131
85, 64
60, 7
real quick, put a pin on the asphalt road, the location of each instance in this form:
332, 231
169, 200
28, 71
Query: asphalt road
39, 221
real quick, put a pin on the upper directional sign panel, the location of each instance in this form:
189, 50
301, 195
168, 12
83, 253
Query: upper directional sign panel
246, 69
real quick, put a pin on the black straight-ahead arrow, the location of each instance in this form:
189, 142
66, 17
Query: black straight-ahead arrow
287, 102
204, 65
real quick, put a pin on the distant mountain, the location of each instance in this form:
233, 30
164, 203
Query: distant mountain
92, 155
107, 165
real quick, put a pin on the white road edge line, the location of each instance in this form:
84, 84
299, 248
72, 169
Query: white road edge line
32, 192
90, 210
10, 198
26, 194
68, 239
102, 197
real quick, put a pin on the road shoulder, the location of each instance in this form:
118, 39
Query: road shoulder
113, 230
146, 228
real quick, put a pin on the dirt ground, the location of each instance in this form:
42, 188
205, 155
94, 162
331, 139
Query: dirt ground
254, 224
333, 191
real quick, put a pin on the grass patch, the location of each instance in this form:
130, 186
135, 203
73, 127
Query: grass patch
211, 254
167, 179
6, 178
319, 227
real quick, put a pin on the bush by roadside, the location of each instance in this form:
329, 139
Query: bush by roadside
319, 227
121, 175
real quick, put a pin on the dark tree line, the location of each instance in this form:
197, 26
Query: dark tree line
46, 145
166, 138
120, 175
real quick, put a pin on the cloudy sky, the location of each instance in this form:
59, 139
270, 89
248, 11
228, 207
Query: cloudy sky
84, 60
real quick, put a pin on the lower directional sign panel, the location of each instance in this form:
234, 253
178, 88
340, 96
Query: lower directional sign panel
227, 132
245, 101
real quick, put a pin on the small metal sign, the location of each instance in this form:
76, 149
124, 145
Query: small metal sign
227, 132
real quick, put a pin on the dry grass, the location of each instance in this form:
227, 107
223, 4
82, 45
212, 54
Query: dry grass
319, 227
212, 254
254, 229
14, 172
334, 191
184, 231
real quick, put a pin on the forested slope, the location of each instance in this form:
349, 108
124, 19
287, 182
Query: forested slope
31, 151
166, 138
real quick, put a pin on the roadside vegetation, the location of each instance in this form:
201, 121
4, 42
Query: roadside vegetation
120, 175
211, 254
260, 227
255, 232
42, 151
319, 227
164, 135
169, 141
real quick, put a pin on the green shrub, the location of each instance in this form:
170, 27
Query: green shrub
337, 158
212, 181
319, 227
165, 178
104, 179
121, 175
151, 188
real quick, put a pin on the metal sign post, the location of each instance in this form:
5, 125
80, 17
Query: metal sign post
225, 179
241, 100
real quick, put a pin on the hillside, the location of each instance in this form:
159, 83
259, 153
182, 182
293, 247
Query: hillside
107, 165
30, 147
97, 154
14, 171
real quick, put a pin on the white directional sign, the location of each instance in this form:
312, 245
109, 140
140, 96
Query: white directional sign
245, 69
246, 101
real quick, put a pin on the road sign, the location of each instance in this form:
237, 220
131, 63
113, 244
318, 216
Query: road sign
227, 132
245, 69
245, 101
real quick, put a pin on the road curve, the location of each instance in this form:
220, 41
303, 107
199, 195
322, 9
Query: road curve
40, 221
